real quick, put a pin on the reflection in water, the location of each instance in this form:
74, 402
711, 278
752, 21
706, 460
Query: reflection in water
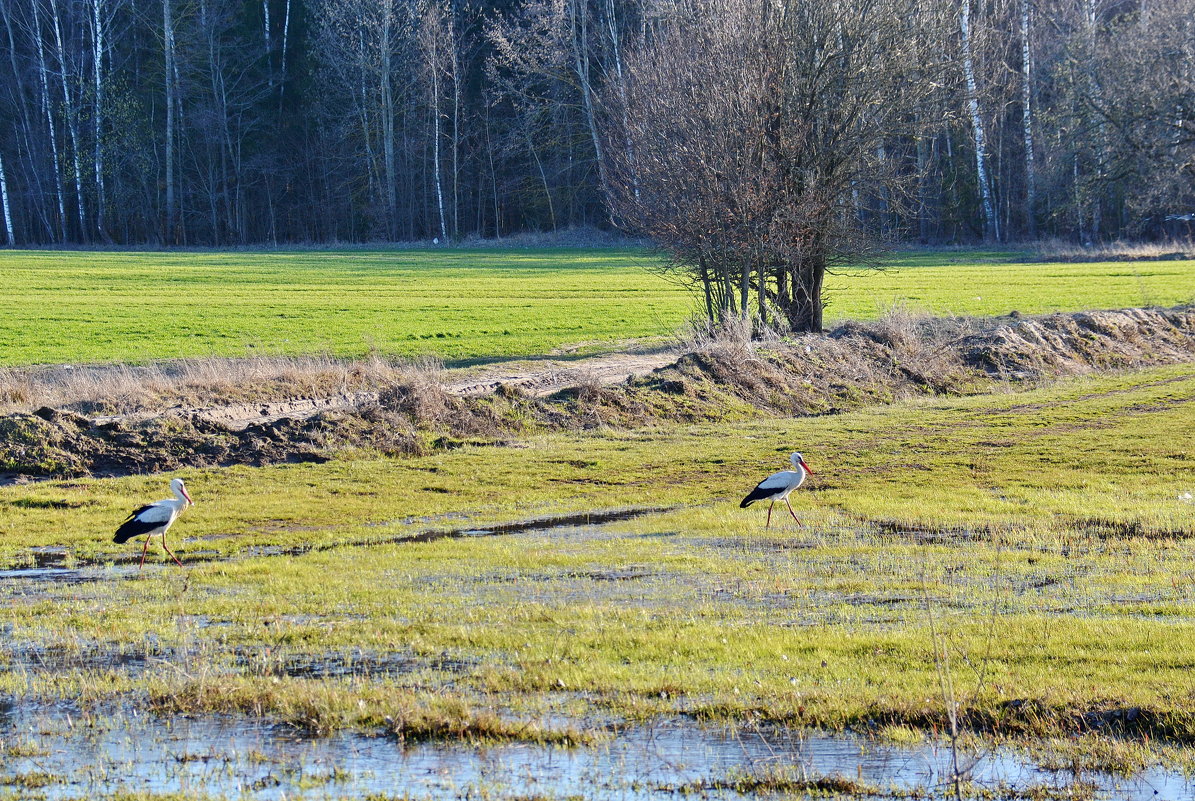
95, 754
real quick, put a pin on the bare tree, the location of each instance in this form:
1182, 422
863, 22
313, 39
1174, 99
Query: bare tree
1139, 107
991, 223
1027, 123
548, 63
169, 77
71, 113
99, 24
437, 42
759, 131
48, 114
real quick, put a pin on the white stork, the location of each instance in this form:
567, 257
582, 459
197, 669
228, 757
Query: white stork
777, 486
155, 518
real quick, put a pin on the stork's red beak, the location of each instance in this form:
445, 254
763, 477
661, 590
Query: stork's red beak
187, 495
807, 470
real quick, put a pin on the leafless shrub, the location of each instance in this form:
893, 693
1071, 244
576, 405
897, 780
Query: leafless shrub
716, 149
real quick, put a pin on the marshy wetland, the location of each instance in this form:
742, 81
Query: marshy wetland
1037, 542
992, 594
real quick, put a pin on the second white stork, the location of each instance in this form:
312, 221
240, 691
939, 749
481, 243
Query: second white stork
777, 487
155, 518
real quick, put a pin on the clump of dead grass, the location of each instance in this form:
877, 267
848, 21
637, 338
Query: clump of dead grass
1059, 250
418, 391
909, 345
734, 338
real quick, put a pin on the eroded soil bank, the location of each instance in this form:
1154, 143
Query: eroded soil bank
418, 411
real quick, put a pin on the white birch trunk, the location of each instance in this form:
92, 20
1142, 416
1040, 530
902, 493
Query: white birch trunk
72, 120
1027, 124
44, 83
434, 56
26, 126
991, 225
456, 124
265, 24
168, 36
97, 30
489, 150
11, 237
388, 114
282, 68
1096, 92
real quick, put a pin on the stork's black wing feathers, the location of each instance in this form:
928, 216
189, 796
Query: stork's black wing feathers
135, 527
758, 494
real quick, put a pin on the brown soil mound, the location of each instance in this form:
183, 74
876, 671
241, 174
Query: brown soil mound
854, 365
1070, 344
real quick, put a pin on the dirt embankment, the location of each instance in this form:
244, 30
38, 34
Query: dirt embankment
854, 365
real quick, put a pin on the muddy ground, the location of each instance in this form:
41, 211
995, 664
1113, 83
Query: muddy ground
851, 366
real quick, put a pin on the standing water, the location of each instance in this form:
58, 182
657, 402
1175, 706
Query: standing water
69, 754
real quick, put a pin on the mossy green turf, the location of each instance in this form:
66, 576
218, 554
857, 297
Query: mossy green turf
1047, 532
72, 307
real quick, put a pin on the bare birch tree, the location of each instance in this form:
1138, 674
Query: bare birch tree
1027, 123
48, 115
10, 238
99, 23
991, 223
435, 38
71, 115
169, 76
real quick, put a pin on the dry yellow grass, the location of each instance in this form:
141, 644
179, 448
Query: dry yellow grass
126, 389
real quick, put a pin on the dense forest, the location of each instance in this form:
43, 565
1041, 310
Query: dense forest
221, 122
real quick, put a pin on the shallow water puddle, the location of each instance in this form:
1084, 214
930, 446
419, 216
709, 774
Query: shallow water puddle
541, 524
60, 574
78, 756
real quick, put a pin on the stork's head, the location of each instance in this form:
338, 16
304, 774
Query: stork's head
799, 461
180, 490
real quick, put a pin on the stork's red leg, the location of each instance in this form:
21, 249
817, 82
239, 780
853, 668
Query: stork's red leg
791, 512
769, 523
172, 556
145, 548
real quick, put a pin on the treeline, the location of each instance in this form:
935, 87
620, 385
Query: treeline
217, 122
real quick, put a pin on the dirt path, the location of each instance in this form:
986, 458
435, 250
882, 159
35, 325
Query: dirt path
538, 378
544, 377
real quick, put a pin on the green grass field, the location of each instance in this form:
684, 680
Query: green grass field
78, 307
